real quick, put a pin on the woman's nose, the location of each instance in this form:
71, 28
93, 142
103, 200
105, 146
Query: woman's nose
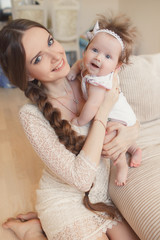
54, 56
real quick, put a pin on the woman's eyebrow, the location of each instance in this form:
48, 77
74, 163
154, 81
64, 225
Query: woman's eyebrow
40, 51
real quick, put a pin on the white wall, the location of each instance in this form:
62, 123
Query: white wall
89, 9
145, 14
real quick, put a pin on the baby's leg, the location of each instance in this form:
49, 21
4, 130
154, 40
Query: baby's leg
136, 155
25, 227
121, 165
121, 171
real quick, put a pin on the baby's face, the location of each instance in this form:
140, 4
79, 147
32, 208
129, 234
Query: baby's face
102, 55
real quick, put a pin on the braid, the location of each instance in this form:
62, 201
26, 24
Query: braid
11, 52
100, 207
63, 129
66, 135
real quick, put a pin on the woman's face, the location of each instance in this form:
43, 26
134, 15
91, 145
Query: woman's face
45, 58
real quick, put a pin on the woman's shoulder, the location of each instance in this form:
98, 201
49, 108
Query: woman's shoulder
30, 116
28, 110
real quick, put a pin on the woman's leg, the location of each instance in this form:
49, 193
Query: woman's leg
103, 237
28, 227
122, 231
25, 227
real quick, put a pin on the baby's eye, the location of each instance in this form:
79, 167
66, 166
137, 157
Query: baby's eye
51, 41
95, 50
37, 60
108, 56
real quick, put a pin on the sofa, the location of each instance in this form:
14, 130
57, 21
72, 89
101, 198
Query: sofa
139, 199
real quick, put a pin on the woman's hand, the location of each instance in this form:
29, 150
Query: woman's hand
118, 139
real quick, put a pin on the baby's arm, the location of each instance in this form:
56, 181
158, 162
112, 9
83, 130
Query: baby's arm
90, 108
75, 70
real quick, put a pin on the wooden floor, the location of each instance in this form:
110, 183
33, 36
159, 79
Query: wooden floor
20, 167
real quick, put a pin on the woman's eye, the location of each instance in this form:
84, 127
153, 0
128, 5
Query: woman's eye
108, 56
94, 50
50, 42
37, 60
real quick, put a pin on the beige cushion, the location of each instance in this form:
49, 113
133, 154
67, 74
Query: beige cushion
140, 82
139, 200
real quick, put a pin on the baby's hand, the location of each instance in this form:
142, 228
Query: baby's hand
75, 122
72, 75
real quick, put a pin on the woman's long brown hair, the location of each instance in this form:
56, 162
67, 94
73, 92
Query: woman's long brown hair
12, 60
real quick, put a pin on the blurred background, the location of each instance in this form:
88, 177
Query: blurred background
69, 20
144, 14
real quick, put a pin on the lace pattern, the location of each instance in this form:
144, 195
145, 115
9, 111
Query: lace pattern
64, 164
61, 190
95, 228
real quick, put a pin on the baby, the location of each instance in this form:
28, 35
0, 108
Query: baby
110, 45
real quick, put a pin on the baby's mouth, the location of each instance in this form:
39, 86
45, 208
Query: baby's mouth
94, 65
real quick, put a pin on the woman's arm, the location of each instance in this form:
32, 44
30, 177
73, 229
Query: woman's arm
123, 138
78, 171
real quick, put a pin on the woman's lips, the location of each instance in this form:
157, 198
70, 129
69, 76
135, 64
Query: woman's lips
59, 67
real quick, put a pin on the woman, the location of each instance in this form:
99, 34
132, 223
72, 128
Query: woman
72, 199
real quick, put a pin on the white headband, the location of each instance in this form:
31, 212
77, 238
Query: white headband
96, 30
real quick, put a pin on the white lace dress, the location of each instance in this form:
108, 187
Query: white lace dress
64, 182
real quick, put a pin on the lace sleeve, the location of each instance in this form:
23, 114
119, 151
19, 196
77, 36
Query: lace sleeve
77, 171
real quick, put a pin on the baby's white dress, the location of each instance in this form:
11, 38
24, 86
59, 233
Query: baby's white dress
121, 111
64, 181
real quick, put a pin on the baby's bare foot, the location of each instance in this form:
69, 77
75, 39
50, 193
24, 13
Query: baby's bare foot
121, 175
136, 158
27, 230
